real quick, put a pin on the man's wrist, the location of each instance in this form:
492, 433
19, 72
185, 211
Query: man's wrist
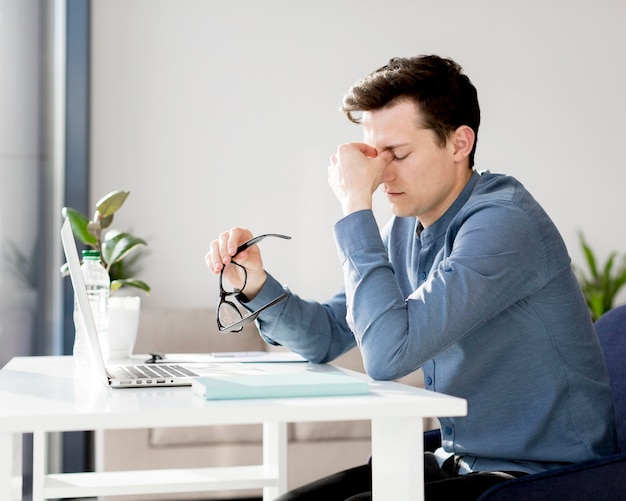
271, 290
254, 284
356, 204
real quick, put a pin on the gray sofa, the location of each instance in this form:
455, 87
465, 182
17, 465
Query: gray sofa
314, 449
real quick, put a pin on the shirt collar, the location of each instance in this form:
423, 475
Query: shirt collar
440, 226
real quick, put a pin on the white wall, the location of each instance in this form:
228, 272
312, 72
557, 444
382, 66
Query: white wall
217, 114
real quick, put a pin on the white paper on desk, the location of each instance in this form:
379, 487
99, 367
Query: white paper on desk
234, 356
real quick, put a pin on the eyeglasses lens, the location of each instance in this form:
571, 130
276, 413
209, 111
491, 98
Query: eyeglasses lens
229, 313
233, 278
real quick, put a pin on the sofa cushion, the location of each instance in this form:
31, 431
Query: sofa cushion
331, 430
206, 435
193, 330
253, 433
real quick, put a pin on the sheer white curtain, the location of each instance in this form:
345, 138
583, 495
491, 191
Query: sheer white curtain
31, 174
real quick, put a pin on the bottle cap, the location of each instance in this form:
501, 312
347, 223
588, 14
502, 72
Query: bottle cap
91, 254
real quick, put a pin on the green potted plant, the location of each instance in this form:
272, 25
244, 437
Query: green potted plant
119, 251
119, 254
601, 284
18, 299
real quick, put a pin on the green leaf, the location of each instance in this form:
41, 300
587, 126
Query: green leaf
607, 283
117, 247
105, 221
95, 230
600, 288
80, 224
596, 304
129, 282
591, 261
18, 264
109, 204
619, 280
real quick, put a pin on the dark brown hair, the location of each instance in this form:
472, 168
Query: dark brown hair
444, 95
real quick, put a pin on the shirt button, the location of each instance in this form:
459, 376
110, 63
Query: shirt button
423, 275
447, 430
429, 381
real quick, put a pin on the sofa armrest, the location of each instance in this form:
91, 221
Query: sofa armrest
187, 330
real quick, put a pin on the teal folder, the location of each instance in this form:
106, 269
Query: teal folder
299, 384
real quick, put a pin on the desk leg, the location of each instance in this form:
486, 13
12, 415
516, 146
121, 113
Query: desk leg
40, 464
11, 466
397, 459
275, 458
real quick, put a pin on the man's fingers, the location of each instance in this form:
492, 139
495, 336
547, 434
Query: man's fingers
366, 149
386, 156
213, 258
223, 248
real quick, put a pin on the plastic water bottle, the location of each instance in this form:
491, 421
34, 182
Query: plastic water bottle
98, 284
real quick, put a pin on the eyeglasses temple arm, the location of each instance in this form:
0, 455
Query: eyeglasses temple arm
257, 239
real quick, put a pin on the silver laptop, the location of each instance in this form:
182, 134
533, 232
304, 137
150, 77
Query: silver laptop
119, 376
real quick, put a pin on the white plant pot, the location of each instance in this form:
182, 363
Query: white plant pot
123, 325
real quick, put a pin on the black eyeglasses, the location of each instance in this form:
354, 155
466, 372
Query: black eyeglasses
229, 316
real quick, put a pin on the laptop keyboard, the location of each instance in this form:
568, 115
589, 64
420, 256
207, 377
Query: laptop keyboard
149, 372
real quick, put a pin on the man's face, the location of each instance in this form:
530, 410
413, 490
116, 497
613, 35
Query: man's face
423, 179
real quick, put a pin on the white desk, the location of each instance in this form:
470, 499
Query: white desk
44, 394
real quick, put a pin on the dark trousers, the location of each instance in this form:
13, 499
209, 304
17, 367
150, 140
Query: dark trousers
441, 484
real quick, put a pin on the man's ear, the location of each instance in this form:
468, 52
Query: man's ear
463, 141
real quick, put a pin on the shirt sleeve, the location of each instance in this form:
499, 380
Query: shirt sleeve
489, 262
317, 331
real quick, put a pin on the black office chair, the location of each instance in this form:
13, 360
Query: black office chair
602, 479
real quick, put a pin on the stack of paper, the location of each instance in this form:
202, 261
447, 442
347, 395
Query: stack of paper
272, 385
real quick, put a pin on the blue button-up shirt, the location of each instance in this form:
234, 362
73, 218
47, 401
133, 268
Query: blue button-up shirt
485, 302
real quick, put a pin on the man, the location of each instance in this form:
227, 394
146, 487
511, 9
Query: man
469, 281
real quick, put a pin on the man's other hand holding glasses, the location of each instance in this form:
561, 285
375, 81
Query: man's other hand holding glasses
237, 259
